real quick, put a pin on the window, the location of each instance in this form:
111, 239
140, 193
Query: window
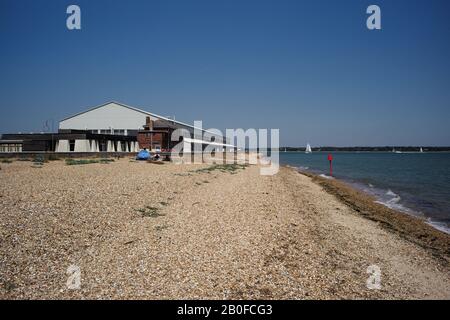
119, 132
102, 146
10, 147
71, 145
105, 131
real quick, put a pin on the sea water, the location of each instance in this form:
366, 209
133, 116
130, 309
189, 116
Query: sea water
415, 183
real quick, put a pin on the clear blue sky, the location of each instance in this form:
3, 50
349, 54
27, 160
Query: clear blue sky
310, 68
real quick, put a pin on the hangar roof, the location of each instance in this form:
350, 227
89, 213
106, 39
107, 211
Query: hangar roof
135, 109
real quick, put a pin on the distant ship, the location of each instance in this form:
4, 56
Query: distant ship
395, 151
308, 148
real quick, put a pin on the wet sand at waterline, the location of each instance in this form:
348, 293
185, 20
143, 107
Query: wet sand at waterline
146, 231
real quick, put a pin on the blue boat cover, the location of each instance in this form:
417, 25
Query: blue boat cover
143, 155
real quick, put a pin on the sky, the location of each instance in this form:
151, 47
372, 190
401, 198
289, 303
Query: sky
309, 68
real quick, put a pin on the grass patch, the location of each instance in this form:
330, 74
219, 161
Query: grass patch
151, 212
9, 286
160, 228
106, 161
73, 162
230, 168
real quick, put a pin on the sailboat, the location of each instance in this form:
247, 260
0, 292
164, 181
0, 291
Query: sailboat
308, 148
421, 150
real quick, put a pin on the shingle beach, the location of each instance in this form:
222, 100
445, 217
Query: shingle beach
138, 230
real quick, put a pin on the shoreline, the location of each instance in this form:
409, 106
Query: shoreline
412, 228
381, 196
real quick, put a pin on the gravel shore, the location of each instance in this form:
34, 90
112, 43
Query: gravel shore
138, 230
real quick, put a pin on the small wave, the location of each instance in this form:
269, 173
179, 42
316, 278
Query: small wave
371, 185
439, 225
325, 176
394, 200
393, 204
391, 193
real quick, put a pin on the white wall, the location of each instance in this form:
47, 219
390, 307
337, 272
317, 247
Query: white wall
111, 115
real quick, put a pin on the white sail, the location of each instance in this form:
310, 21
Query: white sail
421, 150
308, 148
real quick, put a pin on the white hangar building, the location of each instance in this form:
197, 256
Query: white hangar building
152, 131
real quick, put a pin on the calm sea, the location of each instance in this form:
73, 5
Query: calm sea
415, 183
